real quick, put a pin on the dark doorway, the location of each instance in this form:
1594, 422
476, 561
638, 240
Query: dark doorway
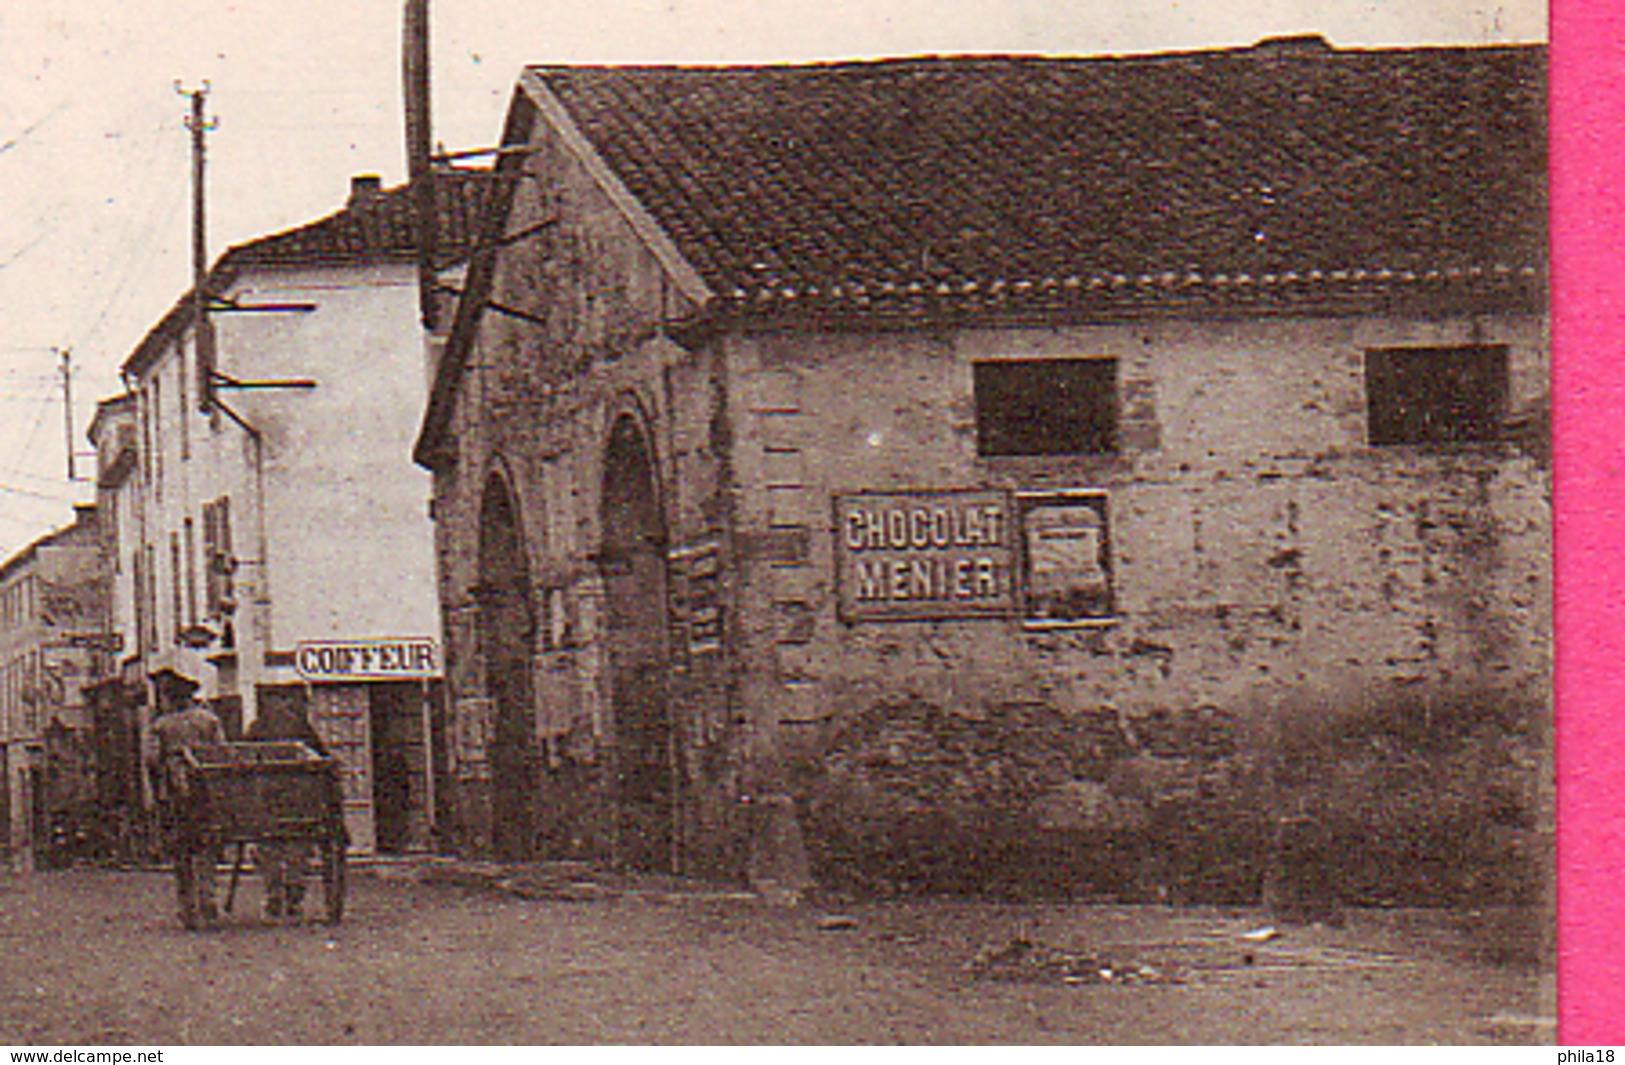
634, 567
399, 761
34, 810
5, 801
506, 629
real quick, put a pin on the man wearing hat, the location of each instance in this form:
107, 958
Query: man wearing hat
184, 722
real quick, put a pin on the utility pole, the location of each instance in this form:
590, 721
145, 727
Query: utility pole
66, 361
203, 328
420, 178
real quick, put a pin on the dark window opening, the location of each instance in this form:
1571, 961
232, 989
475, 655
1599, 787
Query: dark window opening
1046, 407
1435, 395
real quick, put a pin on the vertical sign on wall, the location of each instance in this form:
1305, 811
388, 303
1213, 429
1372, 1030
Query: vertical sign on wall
1067, 565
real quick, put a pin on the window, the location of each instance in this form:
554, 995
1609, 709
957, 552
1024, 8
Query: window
1451, 395
218, 562
144, 412
191, 571
176, 601
157, 415
1046, 407
138, 566
149, 598
183, 404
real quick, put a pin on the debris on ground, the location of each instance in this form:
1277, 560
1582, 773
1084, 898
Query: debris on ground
1023, 961
834, 922
552, 881
1260, 935
554, 889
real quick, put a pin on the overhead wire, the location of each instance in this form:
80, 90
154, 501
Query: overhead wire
68, 489
134, 249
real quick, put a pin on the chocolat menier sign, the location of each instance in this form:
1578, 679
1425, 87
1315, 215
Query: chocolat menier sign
925, 555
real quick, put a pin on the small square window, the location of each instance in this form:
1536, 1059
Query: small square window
1046, 407
1453, 395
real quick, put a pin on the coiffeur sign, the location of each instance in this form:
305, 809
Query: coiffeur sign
406, 658
923, 555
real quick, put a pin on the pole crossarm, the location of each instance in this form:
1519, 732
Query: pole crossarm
222, 305
225, 381
481, 153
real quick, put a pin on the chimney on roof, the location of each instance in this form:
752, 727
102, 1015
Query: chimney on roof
365, 187
1295, 44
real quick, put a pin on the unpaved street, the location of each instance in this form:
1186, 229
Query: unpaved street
94, 957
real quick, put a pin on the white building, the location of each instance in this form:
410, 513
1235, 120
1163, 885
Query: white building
273, 536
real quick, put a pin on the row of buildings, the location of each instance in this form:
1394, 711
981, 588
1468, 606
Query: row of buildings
1043, 459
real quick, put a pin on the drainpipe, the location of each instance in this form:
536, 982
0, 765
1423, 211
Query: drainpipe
251, 658
143, 612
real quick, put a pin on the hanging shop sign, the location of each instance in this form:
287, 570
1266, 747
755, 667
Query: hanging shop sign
925, 555
345, 661
1066, 561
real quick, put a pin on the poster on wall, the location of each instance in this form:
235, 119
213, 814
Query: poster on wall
696, 597
1066, 557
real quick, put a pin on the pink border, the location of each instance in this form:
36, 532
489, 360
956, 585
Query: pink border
1588, 382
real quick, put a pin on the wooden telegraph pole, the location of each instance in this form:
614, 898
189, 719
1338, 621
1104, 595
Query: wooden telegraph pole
415, 78
203, 328
66, 357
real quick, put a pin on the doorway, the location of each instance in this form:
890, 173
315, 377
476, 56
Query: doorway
507, 623
400, 767
634, 569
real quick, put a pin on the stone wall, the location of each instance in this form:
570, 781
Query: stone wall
1267, 566
1264, 557
535, 409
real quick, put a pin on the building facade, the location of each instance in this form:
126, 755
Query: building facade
53, 606
1001, 463
273, 541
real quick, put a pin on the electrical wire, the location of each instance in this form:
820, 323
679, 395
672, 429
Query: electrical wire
136, 249
37, 495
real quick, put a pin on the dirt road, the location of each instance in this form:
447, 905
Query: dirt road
96, 957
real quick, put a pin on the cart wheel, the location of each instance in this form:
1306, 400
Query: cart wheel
333, 879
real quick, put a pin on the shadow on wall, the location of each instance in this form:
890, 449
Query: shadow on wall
1399, 797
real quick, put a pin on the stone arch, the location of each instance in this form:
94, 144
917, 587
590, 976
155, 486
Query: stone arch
633, 562
507, 626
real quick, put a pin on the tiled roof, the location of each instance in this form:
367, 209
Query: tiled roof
1264, 175
375, 226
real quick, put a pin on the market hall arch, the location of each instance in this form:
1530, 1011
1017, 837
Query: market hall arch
507, 625
633, 561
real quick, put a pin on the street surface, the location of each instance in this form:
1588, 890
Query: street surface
97, 957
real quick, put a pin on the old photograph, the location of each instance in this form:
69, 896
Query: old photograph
988, 522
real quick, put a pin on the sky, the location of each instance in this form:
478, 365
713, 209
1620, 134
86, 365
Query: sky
94, 154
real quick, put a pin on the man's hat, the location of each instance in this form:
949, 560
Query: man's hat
168, 683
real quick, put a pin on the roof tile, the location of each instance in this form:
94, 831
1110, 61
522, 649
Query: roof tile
911, 179
377, 226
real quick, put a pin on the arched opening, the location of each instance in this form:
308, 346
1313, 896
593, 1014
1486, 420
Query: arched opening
634, 569
507, 622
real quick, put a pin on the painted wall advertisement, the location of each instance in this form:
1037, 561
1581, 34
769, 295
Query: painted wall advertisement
1043, 557
922, 555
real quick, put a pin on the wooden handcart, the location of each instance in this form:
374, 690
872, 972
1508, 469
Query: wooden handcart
267, 792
